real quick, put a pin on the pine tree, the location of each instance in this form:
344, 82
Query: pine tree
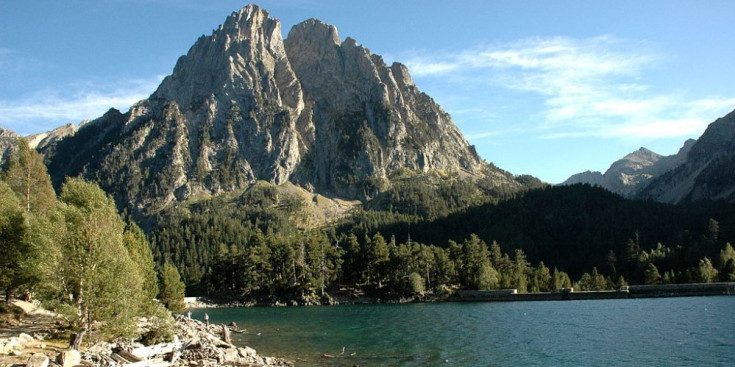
651, 274
140, 252
171, 288
13, 245
727, 254
376, 256
98, 278
543, 279
706, 273
520, 271
27, 176
561, 280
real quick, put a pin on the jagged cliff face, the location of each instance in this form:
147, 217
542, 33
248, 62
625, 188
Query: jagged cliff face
368, 118
243, 105
707, 173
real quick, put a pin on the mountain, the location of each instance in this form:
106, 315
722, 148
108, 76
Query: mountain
243, 105
5, 133
7, 142
707, 173
594, 178
43, 140
630, 174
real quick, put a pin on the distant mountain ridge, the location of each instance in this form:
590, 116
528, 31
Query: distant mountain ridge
628, 175
702, 170
244, 105
708, 173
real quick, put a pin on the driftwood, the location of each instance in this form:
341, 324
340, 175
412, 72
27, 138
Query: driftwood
157, 362
129, 357
341, 354
155, 350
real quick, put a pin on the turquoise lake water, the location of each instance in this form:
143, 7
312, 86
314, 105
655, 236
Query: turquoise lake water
695, 331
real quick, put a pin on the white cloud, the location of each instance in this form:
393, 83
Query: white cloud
420, 67
589, 87
49, 108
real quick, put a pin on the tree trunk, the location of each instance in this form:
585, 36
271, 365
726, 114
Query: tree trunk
83, 313
28, 191
10, 293
76, 342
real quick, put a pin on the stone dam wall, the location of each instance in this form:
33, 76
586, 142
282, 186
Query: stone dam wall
634, 291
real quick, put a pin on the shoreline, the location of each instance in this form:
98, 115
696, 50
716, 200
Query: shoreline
33, 340
502, 295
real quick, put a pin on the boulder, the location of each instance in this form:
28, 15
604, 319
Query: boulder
7, 346
38, 360
69, 358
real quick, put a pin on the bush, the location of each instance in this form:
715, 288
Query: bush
162, 327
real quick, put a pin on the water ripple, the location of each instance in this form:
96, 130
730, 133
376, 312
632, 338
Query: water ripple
651, 332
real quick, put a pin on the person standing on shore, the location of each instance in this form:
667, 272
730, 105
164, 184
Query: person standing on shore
188, 314
206, 319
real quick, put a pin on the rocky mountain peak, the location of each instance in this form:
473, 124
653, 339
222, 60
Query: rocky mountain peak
250, 23
643, 155
314, 34
635, 161
245, 105
704, 170
5, 133
628, 175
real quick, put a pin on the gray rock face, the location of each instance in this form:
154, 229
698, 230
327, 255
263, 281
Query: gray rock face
5, 133
44, 140
244, 105
631, 174
706, 173
7, 143
369, 118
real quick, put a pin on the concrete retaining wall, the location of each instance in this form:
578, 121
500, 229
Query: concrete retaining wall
634, 291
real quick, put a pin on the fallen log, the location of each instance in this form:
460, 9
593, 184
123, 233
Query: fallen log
130, 357
156, 350
157, 362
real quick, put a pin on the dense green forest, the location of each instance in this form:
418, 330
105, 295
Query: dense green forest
432, 234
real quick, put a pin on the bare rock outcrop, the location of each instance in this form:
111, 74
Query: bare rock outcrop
7, 143
196, 344
43, 140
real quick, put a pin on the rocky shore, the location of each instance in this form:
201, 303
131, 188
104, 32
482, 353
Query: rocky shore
194, 344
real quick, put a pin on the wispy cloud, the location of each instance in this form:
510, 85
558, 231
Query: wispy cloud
589, 87
46, 109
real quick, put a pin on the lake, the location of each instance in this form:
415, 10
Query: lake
645, 332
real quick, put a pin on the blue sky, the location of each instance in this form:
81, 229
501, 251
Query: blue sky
548, 88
